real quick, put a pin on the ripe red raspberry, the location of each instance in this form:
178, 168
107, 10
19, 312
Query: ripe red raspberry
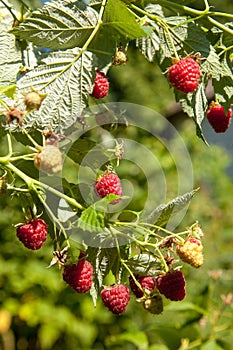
146, 282
33, 234
184, 75
79, 276
101, 86
108, 183
217, 117
116, 298
154, 304
172, 285
191, 252
49, 160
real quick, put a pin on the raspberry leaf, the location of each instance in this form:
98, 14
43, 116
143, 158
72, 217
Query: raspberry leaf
67, 79
162, 214
144, 264
195, 105
10, 56
58, 24
120, 19
102, 260
91, 220
223, 87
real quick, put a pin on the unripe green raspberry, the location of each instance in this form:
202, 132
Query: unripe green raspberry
49, 160
154, 304
33, 100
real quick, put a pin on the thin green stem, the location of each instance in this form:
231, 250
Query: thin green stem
225, 50
23, 157
173, 5
68, 199
31, 139
28, 180
10, 149
220, 25
10, 10
221, 14
32, 184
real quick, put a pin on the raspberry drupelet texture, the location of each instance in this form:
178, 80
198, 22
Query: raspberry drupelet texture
116, 298
146, 282
172, 285
108, 183
191, 252
79, 276
49, 160
184, 75
33, 234
101, 85
217, 117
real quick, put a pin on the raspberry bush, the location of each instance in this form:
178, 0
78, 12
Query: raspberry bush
45, 94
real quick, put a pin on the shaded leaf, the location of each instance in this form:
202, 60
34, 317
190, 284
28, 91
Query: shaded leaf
195, 105
102, 260
144, 264
59, 24
67, 79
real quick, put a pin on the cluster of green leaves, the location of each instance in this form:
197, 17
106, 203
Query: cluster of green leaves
83, 38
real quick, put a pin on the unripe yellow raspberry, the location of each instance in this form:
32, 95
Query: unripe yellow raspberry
191, 252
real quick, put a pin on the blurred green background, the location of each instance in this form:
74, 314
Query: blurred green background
39, 312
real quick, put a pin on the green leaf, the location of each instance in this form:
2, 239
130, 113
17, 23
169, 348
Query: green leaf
161, 215
8, 90
227, 37
139, 339
118, 17
211, 345
91, 220
10, 56
144, 264
223, 87
211, 65
80, 149
67, 79
102, 260
150, 45
184, 36
195, 105
59, 24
